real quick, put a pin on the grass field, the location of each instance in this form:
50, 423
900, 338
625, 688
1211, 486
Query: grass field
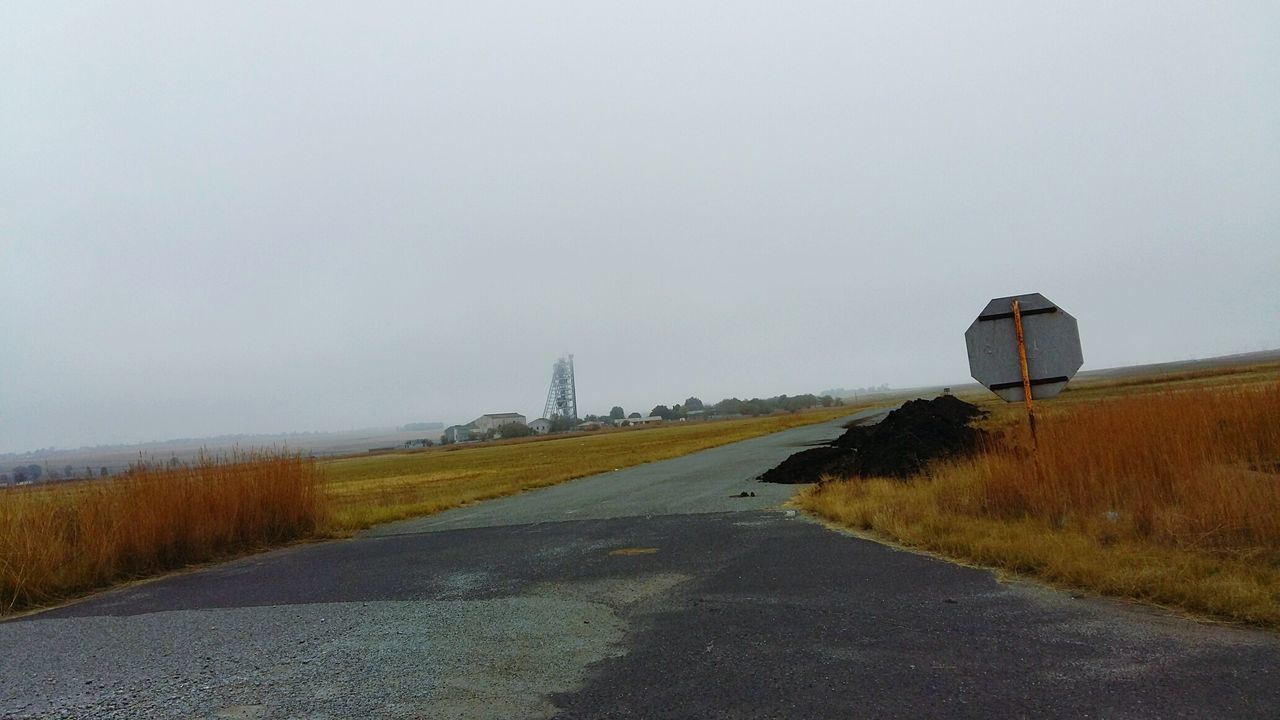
61, 540
1162, 489
368, 490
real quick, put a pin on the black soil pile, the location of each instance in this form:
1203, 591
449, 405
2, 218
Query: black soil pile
899, 446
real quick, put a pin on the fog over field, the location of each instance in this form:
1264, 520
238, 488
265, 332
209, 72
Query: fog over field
265, 217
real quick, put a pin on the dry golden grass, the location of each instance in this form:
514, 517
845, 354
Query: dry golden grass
379, 488
1162, 492
60, 540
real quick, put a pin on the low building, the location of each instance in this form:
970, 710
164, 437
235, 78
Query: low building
493, 421
541, 426
458, 433
651, 420
590, 425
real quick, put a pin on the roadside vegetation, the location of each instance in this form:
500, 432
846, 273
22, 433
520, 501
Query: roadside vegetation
1160, 489
62, 540
57, 541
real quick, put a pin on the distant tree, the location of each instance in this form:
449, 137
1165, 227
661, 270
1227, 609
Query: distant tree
661, 411
729, 406
634, 416
693, 403
4, 478
88, 471
781, 403
514, 430
617, 413
20, 474
560, 423
68, 472
33, 472
102, 471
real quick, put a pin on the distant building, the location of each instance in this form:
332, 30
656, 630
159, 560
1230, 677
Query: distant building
458, 433
651, 420
493, 421
541, 426
590, 425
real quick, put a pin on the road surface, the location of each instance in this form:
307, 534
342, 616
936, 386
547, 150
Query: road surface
649, 592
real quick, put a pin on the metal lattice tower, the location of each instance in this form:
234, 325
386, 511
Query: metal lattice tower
562, 397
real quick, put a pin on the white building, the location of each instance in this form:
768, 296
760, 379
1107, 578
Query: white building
651, 420
541, 426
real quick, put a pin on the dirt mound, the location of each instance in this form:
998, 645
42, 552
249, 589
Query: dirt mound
805, 466
898, 446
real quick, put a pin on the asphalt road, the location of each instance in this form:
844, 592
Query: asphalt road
614, 597
704, 482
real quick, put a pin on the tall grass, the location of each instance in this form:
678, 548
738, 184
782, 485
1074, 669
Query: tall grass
1165, 496
60, 540
1185, 469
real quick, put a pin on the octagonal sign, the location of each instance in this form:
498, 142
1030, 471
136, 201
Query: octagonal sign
1052, 340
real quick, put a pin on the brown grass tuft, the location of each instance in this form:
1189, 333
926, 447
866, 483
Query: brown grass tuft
1182, 469
60, 540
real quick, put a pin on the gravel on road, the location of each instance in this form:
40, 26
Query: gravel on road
388, 659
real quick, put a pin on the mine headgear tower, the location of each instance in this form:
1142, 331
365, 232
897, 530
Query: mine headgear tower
562, 397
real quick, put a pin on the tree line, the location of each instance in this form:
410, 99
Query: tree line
726, 407
33, 473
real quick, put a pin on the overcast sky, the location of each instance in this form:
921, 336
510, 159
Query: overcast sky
263, 216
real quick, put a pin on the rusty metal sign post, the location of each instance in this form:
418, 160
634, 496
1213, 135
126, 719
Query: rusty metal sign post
1026, 377
1024, 347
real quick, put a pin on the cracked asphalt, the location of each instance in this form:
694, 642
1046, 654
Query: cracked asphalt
649, 593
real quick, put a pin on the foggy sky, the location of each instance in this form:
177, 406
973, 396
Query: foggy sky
261, 217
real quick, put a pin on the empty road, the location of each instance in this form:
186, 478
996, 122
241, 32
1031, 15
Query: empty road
649, 592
